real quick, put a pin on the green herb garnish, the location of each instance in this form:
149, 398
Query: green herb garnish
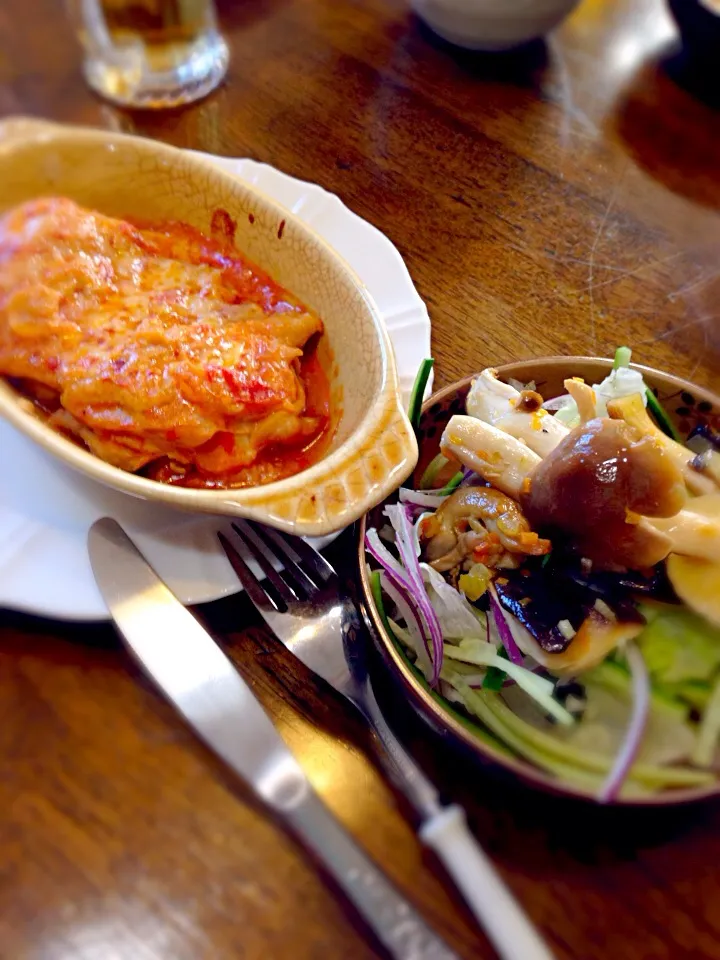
494, 676
451, 485
431, 471
418, 392
622, 357
661, 418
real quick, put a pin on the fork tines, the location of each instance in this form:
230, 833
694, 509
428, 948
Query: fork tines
303, 570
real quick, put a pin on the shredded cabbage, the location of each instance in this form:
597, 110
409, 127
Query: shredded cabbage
622, 382
456, 616
679, 646
421, 498
416, 531
569, 414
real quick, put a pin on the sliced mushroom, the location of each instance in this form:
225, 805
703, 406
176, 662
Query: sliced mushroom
691, 534
584, 397
511, 411
500, 459
697, 583
696, 578
595, 488
632, 411
489, 398
597, 637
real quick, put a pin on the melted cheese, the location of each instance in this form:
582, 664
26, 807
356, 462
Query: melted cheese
155, 346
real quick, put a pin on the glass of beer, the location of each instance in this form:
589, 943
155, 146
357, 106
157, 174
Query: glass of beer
150, 53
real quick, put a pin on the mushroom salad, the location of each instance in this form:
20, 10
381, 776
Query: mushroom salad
556, 577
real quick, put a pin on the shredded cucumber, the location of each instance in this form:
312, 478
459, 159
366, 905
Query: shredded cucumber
376, 588
615, 678
693, 692
403, 637
707, 741
540, 689
548, 752
401, 634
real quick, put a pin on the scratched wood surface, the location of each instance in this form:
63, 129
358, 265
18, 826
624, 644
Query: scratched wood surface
562, 200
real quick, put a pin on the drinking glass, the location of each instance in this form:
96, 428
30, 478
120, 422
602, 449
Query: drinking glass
150, 53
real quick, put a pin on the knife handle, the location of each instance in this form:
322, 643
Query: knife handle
395, 922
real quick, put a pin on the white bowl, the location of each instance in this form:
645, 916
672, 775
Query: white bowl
492, 25
373, 449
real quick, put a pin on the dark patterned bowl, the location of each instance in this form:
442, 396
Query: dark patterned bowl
699, 25
687, 405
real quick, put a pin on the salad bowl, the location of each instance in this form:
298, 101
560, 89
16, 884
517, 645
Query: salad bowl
687, 407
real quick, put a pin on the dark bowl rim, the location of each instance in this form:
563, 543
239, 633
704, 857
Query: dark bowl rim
430, 710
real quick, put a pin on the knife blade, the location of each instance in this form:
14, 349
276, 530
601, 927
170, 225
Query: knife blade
195, 675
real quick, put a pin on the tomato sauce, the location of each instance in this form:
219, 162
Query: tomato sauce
164, 350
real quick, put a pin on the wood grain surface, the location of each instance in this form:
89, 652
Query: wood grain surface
564, 199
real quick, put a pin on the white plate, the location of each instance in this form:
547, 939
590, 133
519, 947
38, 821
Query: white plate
46, 509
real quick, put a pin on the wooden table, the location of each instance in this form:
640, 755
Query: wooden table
560, 201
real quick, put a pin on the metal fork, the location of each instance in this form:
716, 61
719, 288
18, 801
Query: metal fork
308, 608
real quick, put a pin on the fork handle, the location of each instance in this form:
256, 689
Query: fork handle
395, 922
506, 924
445, 831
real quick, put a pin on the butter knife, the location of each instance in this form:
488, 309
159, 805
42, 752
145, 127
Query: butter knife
201, 682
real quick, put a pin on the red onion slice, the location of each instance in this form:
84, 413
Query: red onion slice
508, 641
398, 515
638, 720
